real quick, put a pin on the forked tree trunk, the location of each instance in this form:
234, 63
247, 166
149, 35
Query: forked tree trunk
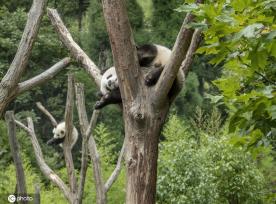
145, 108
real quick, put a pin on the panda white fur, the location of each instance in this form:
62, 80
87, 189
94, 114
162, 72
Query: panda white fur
109, 81
151, 57
59, 135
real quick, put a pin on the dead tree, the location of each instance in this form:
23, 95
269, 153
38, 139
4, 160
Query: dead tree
20, 175
10, 86
74, 192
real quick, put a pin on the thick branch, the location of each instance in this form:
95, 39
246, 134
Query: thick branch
44, 76
117, 169
73, 47
186, 64
79, 90
95, 157
47, 113
20, 176
46, 170
68, 137
19, 63
86, 129
179, 52
123, 48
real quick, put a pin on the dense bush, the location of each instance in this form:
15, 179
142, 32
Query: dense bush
212, 172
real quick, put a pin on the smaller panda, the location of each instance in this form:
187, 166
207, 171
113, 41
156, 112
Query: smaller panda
109, 90
59, 135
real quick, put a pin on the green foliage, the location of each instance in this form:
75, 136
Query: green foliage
163, 18
241, 35
106, 143
189, 97
214, 172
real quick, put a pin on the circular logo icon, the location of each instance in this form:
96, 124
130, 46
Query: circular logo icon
11, 198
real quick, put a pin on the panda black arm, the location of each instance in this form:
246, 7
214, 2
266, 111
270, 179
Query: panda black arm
113, 97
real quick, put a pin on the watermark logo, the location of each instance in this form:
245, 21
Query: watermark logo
11, 198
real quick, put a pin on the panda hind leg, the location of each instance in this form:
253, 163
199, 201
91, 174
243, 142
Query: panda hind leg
113, 97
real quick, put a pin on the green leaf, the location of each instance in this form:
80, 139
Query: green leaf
250, 31
272, 111
187, 8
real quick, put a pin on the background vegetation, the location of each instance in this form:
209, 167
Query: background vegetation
219, 142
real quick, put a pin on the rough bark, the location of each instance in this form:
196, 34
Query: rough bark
20, 175
19, 63
89, 146
83, 120
68, 138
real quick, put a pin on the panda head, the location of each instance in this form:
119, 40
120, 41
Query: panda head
153, 55
146, 54
109, 80
59, 135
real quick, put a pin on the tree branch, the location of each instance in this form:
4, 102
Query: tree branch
186, 64
179, 52
86, 129
95, 157
73, 47
43, 77
20, 175
19, 63
68, 136
117, 169
47, 113
79, 90
46, 170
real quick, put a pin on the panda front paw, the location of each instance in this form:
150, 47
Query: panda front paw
98, 105
99, 94
149, 79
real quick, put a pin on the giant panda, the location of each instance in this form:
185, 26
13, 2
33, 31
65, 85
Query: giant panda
109, 81
59, 135
109, 90
152, 58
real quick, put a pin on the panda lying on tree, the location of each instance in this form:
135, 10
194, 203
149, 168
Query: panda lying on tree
151, 57
59, 135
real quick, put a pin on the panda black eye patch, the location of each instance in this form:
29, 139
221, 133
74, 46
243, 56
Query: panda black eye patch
109, 76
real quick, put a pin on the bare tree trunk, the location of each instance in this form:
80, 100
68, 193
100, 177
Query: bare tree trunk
20, 176
141, 155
